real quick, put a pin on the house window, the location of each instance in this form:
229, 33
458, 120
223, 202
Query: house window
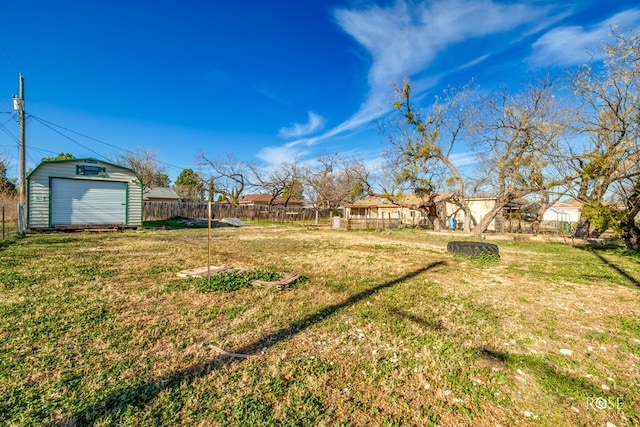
90, 170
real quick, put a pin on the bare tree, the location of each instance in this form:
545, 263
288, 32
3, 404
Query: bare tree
423, 144
283, 180
519, 145
610, 123
335, 181
545, 198
146, 165
408, 187
226, 176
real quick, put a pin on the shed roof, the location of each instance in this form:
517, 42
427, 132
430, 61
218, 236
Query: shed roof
88, 160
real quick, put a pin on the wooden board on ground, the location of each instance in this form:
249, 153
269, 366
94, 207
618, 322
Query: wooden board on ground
203, 271
287, 279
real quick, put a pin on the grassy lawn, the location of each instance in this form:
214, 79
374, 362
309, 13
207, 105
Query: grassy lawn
385, 328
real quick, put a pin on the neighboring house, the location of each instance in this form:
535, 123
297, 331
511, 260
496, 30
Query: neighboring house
481, 206
567, 211
262, 199
412, 210
83, 193
161, 194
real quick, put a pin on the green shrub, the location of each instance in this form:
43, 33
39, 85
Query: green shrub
229, 281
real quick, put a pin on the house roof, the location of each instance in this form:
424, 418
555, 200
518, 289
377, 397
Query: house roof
262, 198
411, 201
369, 202
160, 193
575, 204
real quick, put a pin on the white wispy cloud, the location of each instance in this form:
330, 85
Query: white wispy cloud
298, 130
403, 39
465, 158
278, 155
572, 45
475, 61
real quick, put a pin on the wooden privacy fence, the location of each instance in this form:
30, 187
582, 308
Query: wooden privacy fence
154, 211
368, 223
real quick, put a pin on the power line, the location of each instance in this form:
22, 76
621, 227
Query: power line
9, 58
16, 142
44, 123
42, 150
7, 131
50, 125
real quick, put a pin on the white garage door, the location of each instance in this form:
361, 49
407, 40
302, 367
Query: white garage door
83, 202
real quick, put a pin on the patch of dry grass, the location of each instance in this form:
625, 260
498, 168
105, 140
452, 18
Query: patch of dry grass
389, 329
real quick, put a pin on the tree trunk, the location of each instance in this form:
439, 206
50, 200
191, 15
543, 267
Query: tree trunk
630, 227
535, 225
486, 220
467, 217
632, 238
439, 220
582, 229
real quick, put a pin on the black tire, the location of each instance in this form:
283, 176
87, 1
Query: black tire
472, 248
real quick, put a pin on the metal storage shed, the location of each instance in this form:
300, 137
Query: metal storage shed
83, 193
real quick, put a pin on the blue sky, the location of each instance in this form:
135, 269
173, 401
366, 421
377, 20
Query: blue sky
265, 80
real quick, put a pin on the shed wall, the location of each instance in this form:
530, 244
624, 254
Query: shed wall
39, 205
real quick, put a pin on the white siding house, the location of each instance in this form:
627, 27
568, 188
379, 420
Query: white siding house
567, 211
83, 193
480, 207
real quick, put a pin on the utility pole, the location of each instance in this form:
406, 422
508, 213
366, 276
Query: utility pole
18, 104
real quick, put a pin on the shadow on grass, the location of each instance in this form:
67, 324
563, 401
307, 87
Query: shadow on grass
141, 394
8, 240
433, 325
596, 252
553, 380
